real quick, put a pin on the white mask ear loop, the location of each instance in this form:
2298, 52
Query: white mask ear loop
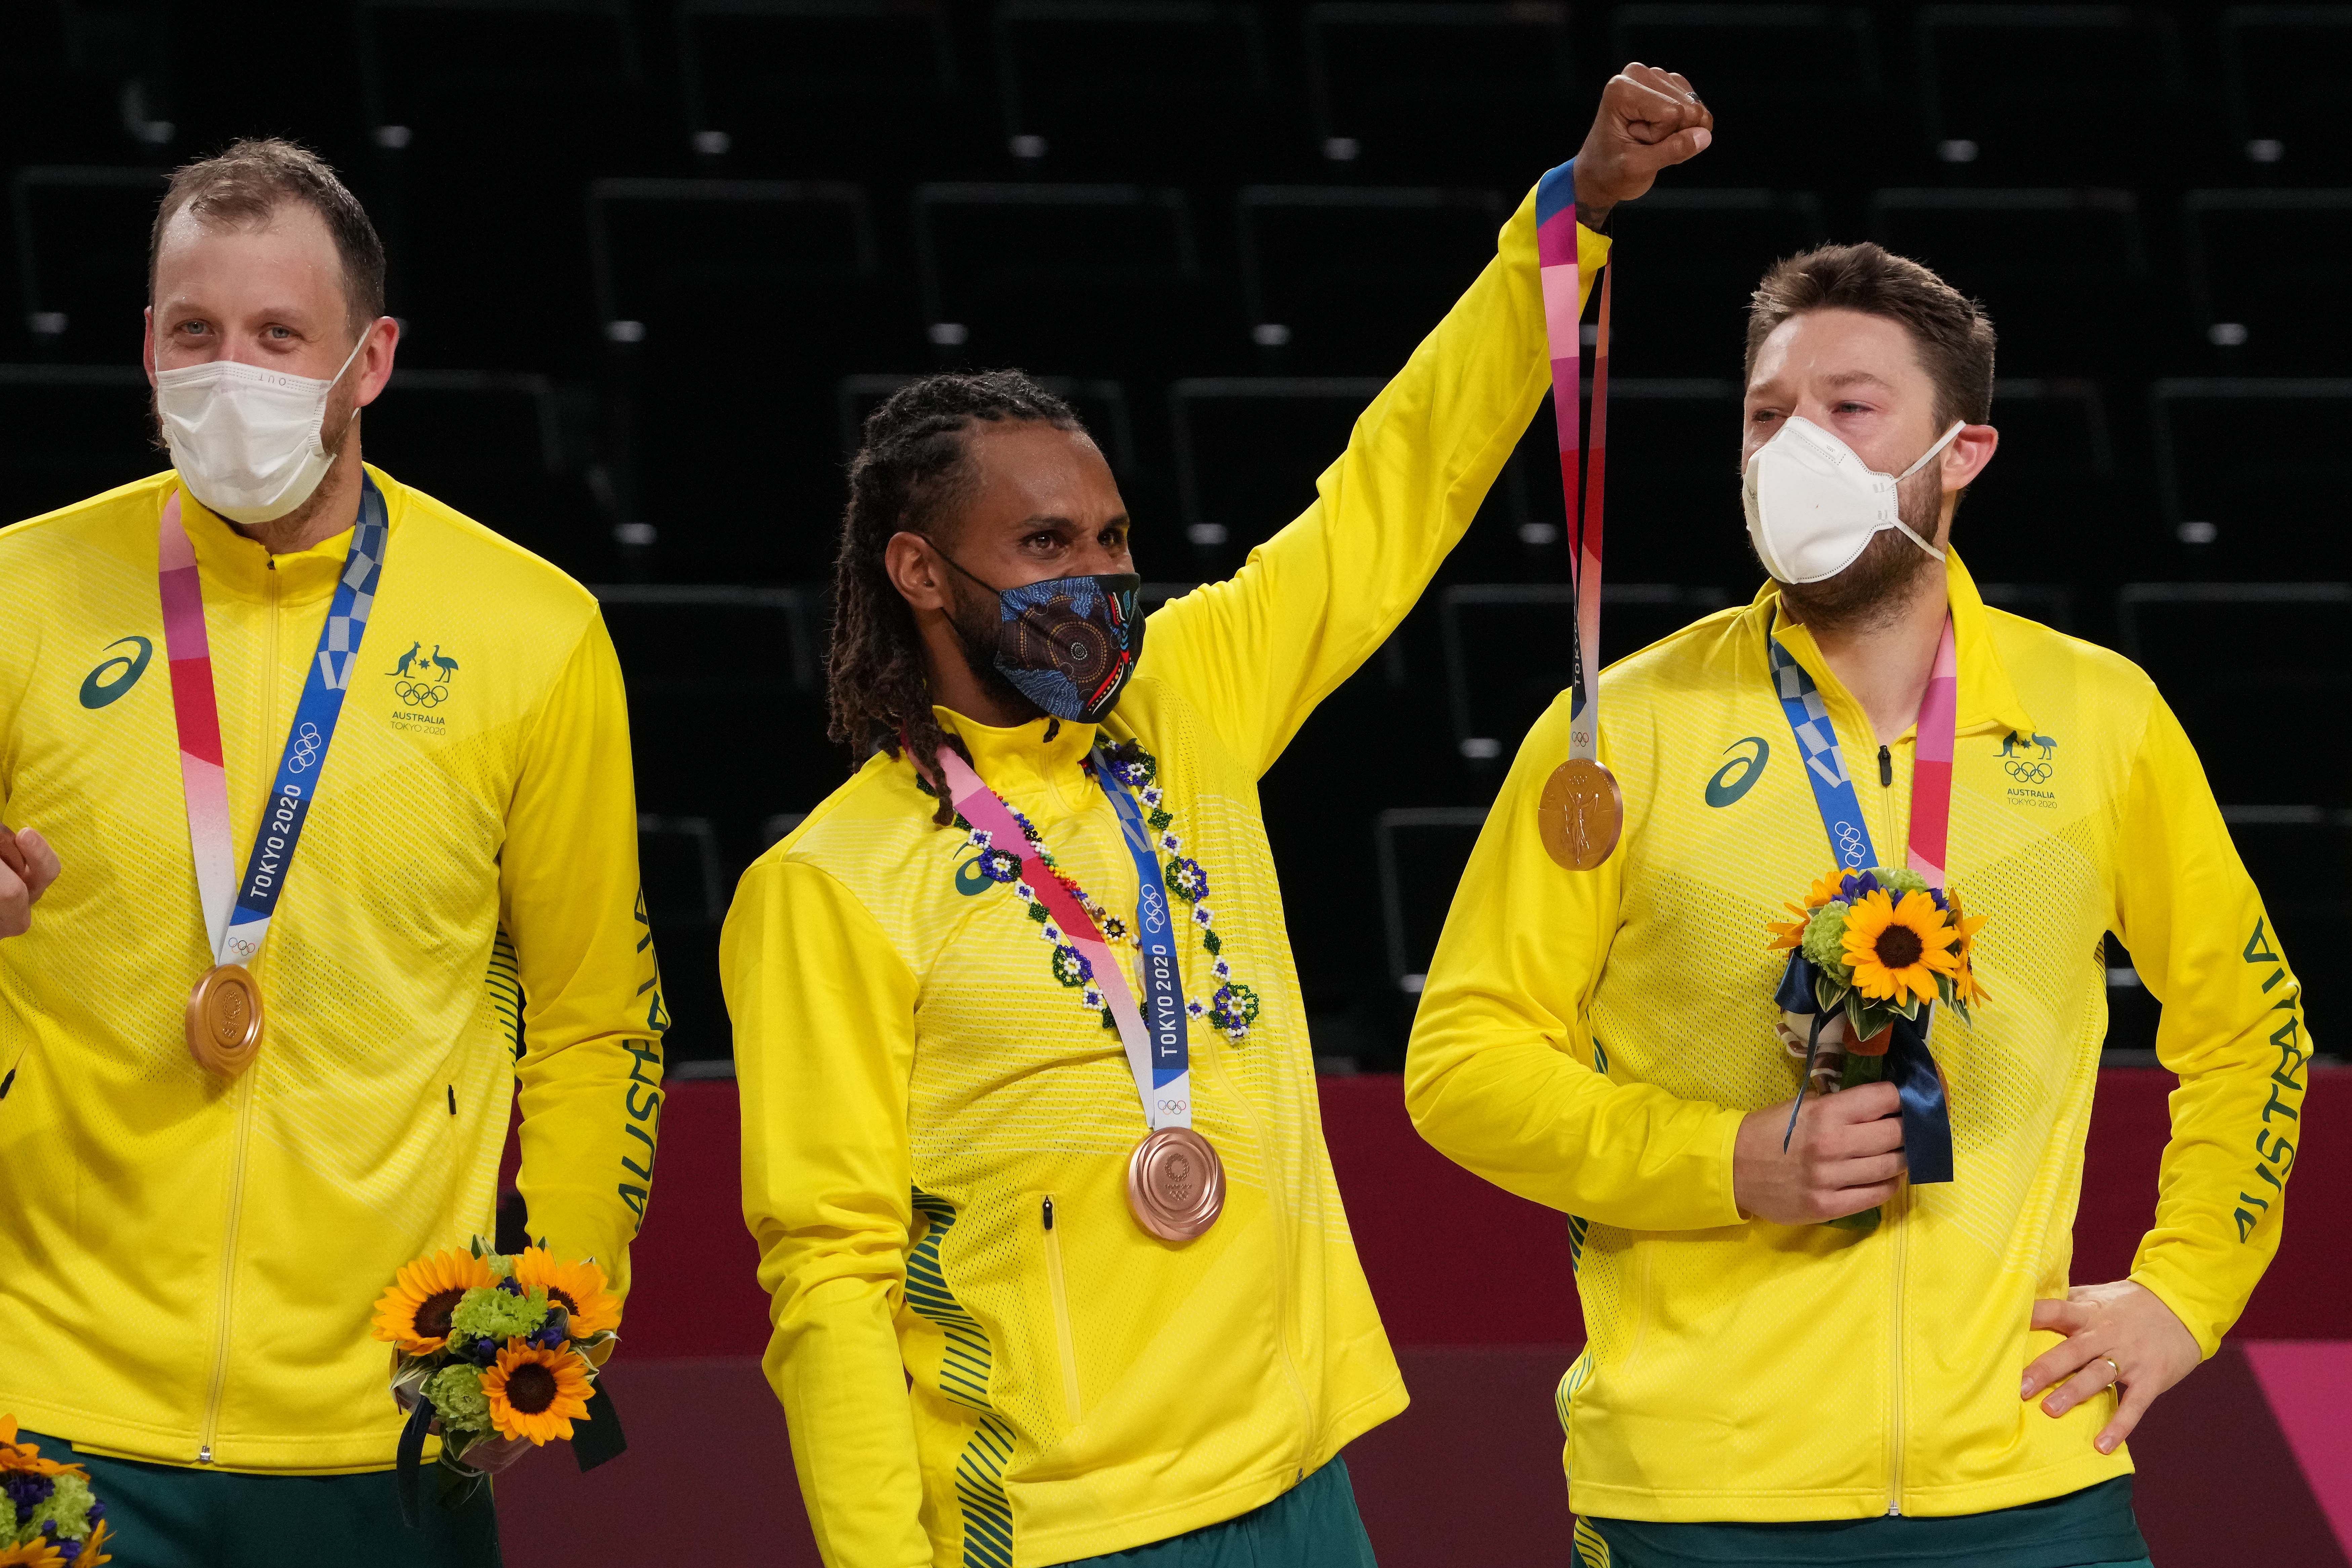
369, 329
1941, 442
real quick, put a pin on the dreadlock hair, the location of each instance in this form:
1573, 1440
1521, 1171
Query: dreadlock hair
912, 470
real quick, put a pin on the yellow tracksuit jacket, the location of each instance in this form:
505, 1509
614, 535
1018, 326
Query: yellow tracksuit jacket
188, 1262
1591, 1041
964, 1383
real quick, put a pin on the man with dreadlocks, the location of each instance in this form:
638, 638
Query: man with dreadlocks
1030, 1136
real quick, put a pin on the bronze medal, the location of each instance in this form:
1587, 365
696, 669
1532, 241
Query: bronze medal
1581, 813
1175, 1183
224, 1019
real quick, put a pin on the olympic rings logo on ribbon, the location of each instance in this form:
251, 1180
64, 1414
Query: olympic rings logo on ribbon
421, 693
1849, 843
1176, 1107
2028, 773
303, 754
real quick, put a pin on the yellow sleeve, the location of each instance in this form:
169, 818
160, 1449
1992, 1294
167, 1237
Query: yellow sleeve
591, 1072
1499, 1076
824, 1041
1254, 654
2231, 1029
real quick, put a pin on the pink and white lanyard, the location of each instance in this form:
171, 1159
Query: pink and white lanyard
1556, 252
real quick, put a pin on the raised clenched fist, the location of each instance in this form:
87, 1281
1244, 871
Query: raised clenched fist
1649, 120
27, 867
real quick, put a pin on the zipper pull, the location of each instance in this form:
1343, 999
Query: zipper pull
1885, 768
1049, 1214
205, 1454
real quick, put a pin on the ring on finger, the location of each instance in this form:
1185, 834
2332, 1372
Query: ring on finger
2112, 1367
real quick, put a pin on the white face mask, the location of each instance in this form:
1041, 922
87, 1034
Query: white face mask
1813, 506
248, 441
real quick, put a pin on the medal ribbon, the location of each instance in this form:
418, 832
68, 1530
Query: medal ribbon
236, 915
1166, 1101
1556, 251
1910, 1067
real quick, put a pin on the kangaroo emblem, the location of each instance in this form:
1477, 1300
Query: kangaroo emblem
408, 659
448, 667
2048, 744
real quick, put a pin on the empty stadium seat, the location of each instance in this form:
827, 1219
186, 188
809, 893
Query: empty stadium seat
1443, 91
684, 899
71, 431
1098, 86
493, 445
2219, 651
81, 258
729, 310
1347, 281
2252, 472
1691, 259
725, 704
1988, 75
2299, 134
798, 86
2064, 273
1248, 448
2264, 269
1422, 851
2056, 468
1774, 75
1671, 506
1062, 279
1508, 648
487, 116
2301, 858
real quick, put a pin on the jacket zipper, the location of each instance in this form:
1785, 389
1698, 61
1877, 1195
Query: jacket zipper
1062, 1336
243, 1090
1897, 1210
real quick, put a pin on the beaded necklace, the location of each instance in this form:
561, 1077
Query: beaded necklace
1233, 1009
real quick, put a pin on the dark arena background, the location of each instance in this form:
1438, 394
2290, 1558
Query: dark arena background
655, 260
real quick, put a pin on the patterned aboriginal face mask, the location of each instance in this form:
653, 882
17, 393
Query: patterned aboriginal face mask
1068, 644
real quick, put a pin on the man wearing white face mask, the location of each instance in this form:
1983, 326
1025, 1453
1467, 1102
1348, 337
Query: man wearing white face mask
1921, 1381
324, 843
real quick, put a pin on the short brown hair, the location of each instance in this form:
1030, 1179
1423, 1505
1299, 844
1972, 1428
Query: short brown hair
1951, 332
251, 179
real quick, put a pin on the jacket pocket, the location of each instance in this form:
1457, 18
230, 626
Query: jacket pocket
1064, 1344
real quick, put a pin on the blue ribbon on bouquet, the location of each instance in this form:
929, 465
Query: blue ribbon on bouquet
1910, 1067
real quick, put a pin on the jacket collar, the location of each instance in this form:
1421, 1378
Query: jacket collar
1021, 760
243, 568
1988, 699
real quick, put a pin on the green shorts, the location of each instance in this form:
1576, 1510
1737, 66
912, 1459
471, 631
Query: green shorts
175, 1516
1312, 1525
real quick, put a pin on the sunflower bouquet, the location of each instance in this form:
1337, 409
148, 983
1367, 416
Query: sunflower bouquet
49, 1517
1870, 950
488, 1346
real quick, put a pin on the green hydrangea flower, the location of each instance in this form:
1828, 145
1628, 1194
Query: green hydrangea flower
487, 1312
1825, 938
1900, 879
66, 1507
456, 1394
7, 1520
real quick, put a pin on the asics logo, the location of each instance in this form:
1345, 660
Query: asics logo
115, 676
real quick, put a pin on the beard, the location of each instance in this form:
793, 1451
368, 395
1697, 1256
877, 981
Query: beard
976, 632
1890, 572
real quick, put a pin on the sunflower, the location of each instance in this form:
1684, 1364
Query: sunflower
38, 1553
577, 1288
1898, 947
415, 1314
1964, 979
93, 1551
536, 1394
1788, 934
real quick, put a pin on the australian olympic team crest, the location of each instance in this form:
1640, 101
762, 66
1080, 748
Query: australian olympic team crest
2032, 763
422, 679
